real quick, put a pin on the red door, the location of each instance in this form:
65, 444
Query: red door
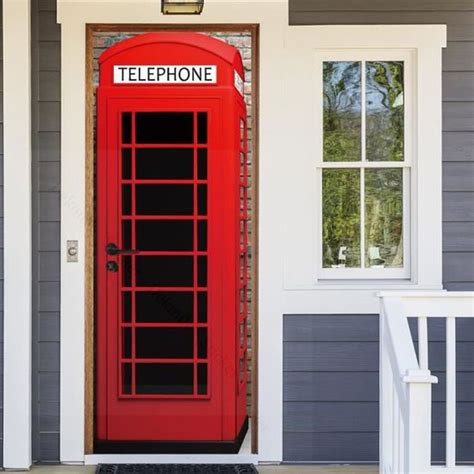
170, 259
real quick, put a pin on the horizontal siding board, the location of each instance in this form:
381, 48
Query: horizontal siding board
330, 386
49, 266
458, 146
331, 417
331, 356
458, 86
48, 389
389, 7
330, 328
464, 447
49, 54
48, 296
49, 206
48, 447
49, 144
49, 86
47, 5
48, 327
458, 207
458, 116
48, 416
458, 286
48, 236
458, 56
48, 30
49, 116
458, 267
458, 237
458, 176
330, 447
48, 356
49, 176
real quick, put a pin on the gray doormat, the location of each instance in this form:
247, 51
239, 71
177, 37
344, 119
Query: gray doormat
176, 469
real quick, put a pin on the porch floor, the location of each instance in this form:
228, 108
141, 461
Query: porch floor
337, 469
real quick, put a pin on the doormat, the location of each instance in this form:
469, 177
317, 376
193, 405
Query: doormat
176, 469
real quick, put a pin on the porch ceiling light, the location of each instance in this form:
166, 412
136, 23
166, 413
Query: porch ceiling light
182, 7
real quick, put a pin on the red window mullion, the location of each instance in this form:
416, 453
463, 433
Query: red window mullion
133, 315
195, 248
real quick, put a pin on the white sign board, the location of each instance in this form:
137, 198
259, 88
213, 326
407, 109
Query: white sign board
165, 74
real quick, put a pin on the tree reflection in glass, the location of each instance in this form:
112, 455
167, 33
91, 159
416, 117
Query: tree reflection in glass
384, 218
341, 218
342, 111
384, 111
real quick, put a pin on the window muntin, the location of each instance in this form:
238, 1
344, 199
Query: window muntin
365, 168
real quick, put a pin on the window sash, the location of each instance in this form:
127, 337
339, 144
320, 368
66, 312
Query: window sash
407, 165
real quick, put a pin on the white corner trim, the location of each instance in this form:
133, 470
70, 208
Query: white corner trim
17, 234
421, 47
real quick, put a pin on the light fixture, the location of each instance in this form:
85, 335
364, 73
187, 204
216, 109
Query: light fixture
181, 7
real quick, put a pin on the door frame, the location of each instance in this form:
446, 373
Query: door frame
89, 217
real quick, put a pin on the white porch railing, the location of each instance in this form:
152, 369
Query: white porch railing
405, 380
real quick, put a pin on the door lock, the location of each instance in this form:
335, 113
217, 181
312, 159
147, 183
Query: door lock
112, 267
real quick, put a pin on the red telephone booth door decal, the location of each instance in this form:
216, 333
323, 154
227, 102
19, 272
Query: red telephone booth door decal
168, 354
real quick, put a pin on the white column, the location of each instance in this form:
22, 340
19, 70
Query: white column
17, 234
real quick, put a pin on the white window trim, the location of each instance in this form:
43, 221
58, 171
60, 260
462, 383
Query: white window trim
302, 276
362, 55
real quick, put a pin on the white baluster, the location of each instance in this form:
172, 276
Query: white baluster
423, 343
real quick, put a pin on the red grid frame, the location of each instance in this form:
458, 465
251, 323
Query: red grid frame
133, 289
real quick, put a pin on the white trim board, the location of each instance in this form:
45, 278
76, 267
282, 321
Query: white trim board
17, 234
283, 101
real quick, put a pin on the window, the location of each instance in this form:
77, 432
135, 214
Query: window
365, 166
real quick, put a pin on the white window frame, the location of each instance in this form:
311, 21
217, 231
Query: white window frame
407, 165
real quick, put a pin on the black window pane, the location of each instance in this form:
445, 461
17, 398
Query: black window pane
127, 379
202, 307
126, 200
126, 307
202, 199
127, 234
126, 163
164, 307
202, 236
164, 379
164, 127
127, 270
164, 163
202, 163
164, 199
202, 379
164, 343
164, 235
202, 343
202, 271
126, 343
126, 127
202, 127
164, 271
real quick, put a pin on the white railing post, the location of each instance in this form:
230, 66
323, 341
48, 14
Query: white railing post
386, 399
418, 427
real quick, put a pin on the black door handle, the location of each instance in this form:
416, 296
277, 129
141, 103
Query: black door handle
112, 249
